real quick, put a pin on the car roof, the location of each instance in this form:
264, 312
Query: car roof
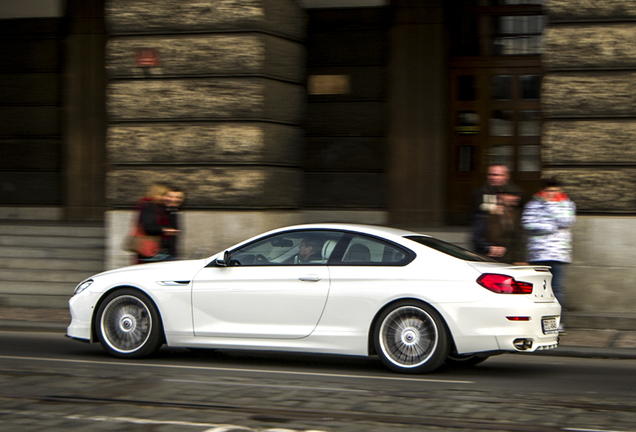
381, 231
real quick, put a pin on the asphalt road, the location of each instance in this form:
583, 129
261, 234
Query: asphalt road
49, 382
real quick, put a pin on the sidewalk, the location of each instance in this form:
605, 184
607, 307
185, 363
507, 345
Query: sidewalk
575, 343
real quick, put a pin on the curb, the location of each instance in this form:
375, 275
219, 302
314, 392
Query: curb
590, 352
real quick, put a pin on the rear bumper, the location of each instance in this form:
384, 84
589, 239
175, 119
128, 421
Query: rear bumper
492, 327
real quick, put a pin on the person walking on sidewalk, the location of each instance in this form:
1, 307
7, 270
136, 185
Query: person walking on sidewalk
485, 198
499, 234
547, 220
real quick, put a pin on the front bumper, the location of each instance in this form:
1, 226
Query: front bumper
81, 307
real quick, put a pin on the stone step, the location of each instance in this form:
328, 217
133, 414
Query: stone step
52, 230
23, 214
42, 289
48, 253
34, 301
94, 266
41, 262
35, 241
38, 275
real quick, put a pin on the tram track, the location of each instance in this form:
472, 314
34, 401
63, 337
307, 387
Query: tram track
283, 415
299, 401
397, 394
286, 415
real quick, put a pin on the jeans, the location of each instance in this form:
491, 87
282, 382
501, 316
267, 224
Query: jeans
558, 277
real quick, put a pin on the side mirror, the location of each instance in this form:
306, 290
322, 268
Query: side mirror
224, 261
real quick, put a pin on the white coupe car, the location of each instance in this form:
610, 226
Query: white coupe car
412, 300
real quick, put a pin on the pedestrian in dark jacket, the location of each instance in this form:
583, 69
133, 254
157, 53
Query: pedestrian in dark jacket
485, 198
498, 234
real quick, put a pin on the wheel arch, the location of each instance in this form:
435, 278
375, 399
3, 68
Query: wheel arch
103, 297
371, 343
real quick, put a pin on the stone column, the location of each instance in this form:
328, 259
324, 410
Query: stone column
589, 140
84, 125
208, 95
417, 116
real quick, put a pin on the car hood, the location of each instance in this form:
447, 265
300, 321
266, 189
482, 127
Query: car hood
186, 267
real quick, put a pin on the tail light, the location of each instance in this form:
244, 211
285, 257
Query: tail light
503, 284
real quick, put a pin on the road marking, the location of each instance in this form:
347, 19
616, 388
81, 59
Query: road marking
220, 369
135, 420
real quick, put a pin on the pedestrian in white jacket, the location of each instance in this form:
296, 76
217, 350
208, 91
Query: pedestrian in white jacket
547, 220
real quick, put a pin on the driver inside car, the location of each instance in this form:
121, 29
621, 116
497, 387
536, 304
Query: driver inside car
309, 251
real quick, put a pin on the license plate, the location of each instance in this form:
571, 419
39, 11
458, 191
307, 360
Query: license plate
549, 325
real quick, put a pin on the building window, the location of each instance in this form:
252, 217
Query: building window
467, 88
496, 46
518, 34
530, 123
530, 87
502, 87
529, 158
501, 124
502, 155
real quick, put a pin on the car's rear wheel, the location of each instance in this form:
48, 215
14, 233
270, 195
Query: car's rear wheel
411, 337
128, 324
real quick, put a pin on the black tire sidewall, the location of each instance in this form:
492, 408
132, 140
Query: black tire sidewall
155, 339
441, 350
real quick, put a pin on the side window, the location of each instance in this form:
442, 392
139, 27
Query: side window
289, 248
366, 250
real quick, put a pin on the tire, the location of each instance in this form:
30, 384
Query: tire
411, 337
128, 325
469, 360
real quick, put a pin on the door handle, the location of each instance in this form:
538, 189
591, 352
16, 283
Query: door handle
310, 278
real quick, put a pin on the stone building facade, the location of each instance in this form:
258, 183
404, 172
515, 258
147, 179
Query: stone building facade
589, 140
215, 106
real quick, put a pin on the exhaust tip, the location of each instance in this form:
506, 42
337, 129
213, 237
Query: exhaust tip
523, 344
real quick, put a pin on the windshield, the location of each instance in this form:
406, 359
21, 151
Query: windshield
450, 249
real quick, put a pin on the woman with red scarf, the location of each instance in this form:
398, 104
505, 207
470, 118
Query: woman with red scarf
548, 218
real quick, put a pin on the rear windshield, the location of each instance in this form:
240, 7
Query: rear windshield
450, 249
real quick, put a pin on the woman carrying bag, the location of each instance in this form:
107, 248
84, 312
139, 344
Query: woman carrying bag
153, 230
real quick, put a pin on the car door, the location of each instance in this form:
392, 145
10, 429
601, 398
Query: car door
263, 291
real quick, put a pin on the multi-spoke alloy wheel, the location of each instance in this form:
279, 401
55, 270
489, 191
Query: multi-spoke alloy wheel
411, 338
128, 324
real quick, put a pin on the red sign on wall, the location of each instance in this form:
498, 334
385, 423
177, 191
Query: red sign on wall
147, 57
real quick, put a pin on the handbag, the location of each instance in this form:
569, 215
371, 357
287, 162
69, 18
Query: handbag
140, 243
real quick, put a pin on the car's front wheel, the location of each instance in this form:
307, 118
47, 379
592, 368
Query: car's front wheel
411, 337
128, 324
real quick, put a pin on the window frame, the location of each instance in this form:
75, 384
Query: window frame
336, 256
